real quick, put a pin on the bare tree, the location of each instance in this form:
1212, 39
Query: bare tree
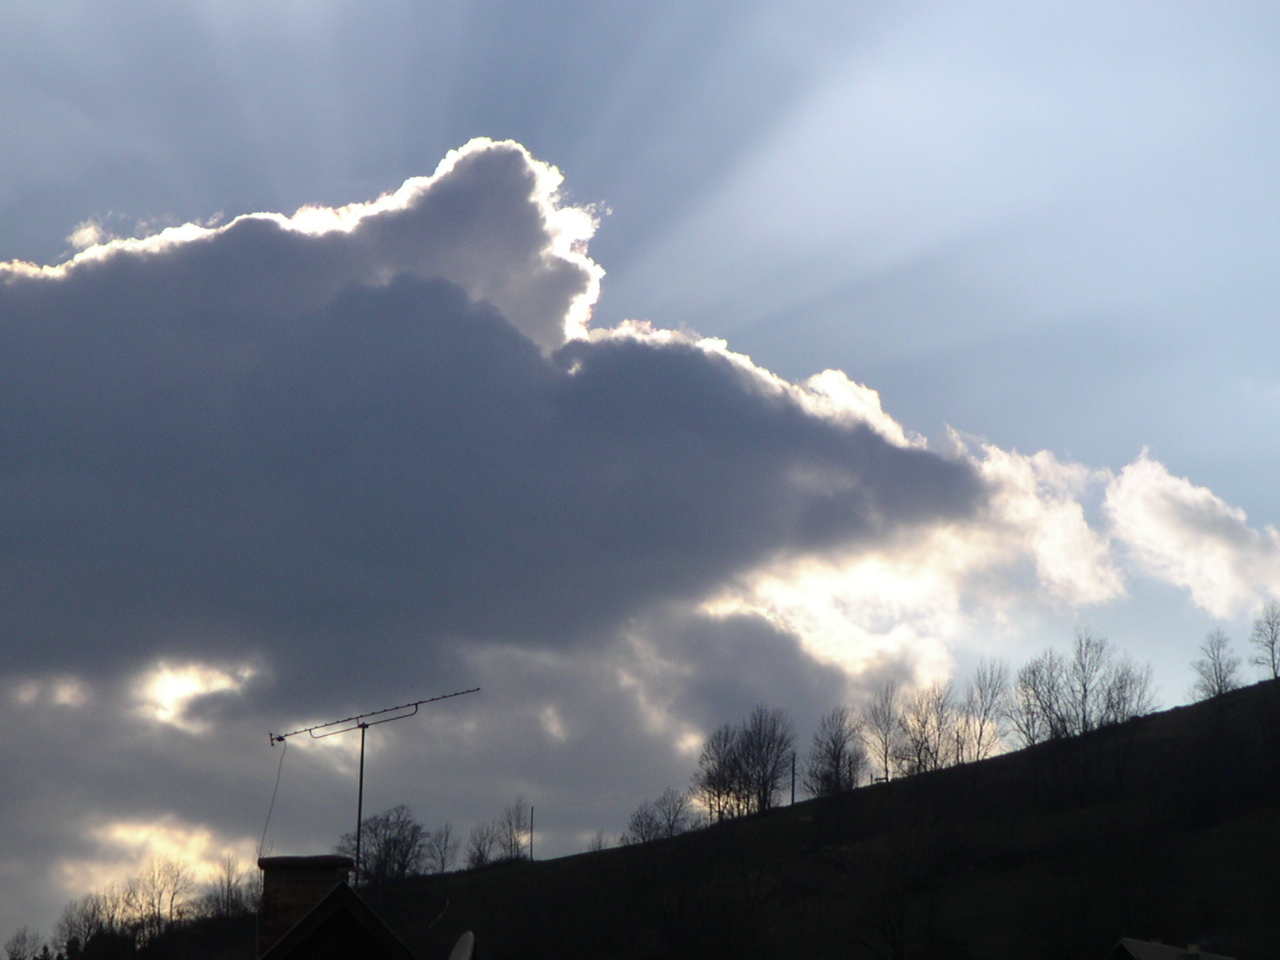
719, 781
102, 912
982, 714
174, 883
674, 811
80, 920
838, 758
25, 944
228, 894
1130, 692
1088, 671
392, 846
1266, 637
253, 890
440, 850
132, 914
480, 844
928, 727
881, 727
513, 831
1055, 696
742, 768
597, 842
158, 897
767, 744
642, 826
1038, 709
1217, 670
668, 816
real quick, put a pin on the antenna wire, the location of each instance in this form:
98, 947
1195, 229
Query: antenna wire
274, 790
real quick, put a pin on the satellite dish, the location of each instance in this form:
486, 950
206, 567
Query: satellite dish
463, 948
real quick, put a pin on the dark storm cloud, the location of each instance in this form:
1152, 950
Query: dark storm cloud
737, 662
261, 438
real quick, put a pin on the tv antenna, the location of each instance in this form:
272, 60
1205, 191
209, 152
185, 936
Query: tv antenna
362, 723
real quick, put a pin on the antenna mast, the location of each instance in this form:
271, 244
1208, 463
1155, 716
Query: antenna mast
362, 723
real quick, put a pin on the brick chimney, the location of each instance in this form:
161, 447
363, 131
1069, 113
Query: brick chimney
291, 886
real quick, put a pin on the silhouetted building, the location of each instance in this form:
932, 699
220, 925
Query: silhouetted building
1130, 949
310, 913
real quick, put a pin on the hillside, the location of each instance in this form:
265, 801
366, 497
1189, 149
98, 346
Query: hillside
1165, 827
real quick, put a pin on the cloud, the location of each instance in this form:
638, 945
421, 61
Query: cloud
286, 433
1190, 537
173, 693
1038, 511
905, 606
263, 475
87, 233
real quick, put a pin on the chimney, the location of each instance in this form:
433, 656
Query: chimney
291, 887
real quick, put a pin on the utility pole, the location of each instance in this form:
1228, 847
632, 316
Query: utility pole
362, 723
793, 778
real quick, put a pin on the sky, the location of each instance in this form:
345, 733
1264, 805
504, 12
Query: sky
635, 363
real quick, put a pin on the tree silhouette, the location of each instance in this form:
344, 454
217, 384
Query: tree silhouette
927, 723
1266, 637
768, 743
441, 850
983, 711
1217, 671
1055, 696
837, 758
742, 768
514, 831
719, 782
480, 845
392, 846
881, 726
668, 816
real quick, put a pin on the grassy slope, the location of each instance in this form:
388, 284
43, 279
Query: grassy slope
1167, 827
